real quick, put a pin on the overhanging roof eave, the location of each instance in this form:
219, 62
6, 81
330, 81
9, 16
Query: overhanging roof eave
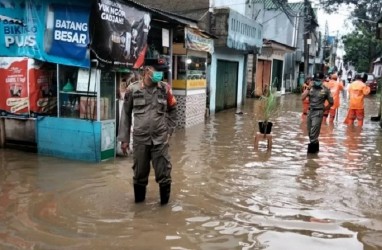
165, 15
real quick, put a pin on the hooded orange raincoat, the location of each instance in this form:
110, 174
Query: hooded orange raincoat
357, 92
335, 88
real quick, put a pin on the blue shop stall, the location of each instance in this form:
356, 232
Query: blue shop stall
84, 128
64, 60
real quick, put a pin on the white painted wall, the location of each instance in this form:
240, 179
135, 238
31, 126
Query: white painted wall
377, 70
228, 55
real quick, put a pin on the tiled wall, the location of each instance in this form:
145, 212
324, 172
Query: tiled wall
191, 110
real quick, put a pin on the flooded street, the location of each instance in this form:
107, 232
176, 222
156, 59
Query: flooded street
225, 195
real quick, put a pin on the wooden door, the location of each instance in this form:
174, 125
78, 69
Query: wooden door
226, 84
263, 76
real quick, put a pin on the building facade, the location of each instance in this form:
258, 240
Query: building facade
59, 78
287, 24
236, 35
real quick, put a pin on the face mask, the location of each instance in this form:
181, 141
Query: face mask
317, 83
157, 76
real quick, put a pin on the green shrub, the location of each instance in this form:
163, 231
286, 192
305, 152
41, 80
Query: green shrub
268, 105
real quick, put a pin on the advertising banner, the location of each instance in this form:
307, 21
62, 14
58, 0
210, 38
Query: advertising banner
196, 41
42, 88
14, 100
122, 30
55, 31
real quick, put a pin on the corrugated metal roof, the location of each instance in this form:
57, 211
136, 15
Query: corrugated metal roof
290, 9
296, 6
166, 14
195, 9
269, 4
269, 42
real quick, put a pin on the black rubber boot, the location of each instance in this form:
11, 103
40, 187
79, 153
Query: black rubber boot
164, 191
139, 193
313, 147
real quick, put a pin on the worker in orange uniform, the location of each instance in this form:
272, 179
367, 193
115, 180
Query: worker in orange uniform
357, 92
305, 102
325, 82
335, 88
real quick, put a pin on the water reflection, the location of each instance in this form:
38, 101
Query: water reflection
225, 195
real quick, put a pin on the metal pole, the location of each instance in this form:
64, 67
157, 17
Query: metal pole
380, 103
170, 73
306, 36
2, 132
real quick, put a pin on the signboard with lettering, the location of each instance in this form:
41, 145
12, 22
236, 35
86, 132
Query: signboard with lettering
196, 41
67, 31
122, 30
55, 31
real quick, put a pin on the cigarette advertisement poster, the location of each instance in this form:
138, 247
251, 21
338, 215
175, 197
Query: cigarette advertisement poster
14, 100
53, 31
122, 30
42, 89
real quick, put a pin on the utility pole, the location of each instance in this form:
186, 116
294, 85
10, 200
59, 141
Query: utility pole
306, 37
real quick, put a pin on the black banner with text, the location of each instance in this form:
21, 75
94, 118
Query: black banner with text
119, 33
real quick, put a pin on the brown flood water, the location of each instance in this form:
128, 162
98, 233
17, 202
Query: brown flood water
225, 195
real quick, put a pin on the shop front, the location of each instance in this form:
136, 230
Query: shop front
30, 54
59, 81
237, 36
190, 76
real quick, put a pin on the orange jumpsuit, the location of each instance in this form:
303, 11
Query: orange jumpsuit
326, 112
335, 88
357, 92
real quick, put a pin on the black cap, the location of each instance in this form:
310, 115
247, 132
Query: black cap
358, 77
319, 76
364, 77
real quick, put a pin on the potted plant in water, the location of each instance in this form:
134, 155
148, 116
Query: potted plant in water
268, 109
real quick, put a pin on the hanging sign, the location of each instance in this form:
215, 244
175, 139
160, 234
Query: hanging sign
67, 33
196, 41
120, 33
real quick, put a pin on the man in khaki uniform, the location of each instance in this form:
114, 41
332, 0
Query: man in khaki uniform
154, 108
317, 94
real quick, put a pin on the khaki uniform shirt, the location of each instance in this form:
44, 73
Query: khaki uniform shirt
318, 96
154, 111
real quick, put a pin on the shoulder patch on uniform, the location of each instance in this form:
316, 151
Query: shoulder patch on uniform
162, 84
133, 86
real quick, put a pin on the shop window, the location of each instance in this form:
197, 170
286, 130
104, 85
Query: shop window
181, 67
157, 55
196, 68
79, 97
107, 88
